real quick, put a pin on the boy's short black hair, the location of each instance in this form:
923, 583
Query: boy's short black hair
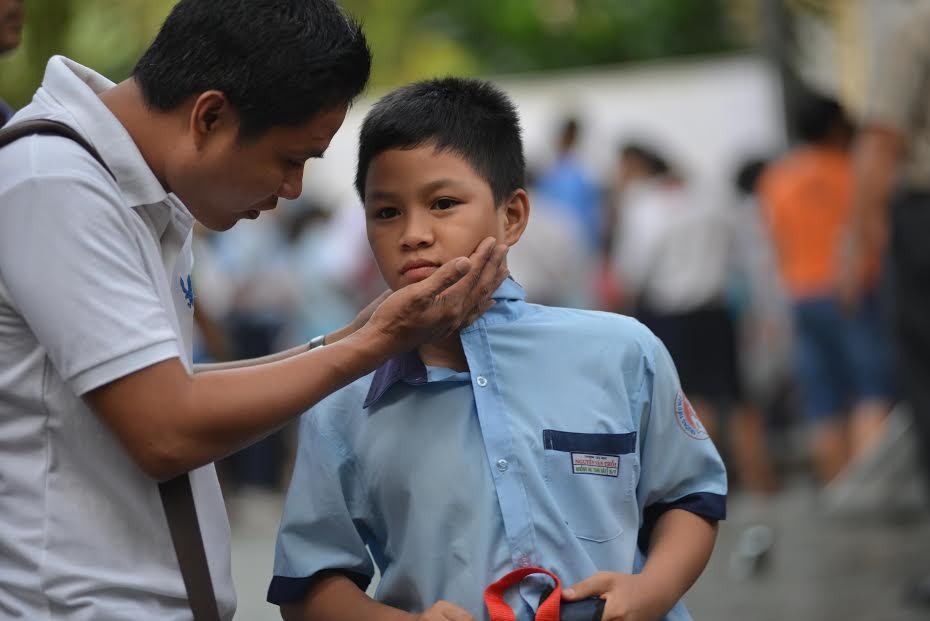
280, 62
471, 118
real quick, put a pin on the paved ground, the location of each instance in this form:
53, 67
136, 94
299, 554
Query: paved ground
819, 569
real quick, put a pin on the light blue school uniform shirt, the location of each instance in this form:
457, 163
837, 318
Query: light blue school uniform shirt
560, 447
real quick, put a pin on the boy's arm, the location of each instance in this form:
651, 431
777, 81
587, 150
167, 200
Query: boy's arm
335, 597
681, 546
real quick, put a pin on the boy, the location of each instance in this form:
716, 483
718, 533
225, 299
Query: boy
537, 436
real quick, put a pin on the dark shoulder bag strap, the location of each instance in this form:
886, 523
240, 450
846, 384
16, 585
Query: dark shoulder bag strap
176, 495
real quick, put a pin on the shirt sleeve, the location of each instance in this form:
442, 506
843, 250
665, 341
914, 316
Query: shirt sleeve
73, 269
318, 529
679, 465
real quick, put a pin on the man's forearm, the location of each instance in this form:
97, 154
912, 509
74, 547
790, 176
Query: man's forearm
331, 338
333, 597
181, 421
681, 545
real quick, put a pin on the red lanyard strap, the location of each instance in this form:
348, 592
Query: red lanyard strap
499, 610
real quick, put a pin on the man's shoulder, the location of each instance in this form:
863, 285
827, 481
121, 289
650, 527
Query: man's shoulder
49, 156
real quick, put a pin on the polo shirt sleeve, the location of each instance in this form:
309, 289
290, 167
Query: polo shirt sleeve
318, 529
74, 270
679, 465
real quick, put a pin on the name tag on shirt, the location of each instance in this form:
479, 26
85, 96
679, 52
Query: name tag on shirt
602, 465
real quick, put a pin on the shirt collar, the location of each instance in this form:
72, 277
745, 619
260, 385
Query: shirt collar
77, 89
409, 368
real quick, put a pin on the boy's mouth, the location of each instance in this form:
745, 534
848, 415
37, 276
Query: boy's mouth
418, 269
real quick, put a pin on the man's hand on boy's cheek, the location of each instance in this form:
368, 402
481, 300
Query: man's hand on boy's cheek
444, 611
626, 596
439, 306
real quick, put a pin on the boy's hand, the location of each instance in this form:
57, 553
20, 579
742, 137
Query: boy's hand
444, 611
439, 306
626, 596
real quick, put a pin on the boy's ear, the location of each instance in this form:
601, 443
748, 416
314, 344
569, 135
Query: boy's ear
516, 213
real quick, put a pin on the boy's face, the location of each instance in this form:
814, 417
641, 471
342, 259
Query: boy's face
424, 207
222, 178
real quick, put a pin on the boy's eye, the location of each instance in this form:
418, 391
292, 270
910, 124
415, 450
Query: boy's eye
385, 213
445, 203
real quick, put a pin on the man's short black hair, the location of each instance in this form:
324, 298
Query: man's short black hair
471, 118
279, 62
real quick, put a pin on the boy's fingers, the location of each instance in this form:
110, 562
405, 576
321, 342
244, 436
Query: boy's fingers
452, 612
595, 586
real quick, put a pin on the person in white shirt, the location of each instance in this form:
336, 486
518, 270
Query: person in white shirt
98, 399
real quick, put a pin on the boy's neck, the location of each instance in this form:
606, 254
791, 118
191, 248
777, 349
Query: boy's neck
447, 353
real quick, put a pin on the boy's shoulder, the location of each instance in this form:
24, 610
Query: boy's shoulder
620, 334
339, 412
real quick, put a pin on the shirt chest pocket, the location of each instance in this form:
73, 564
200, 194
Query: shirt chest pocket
592, 477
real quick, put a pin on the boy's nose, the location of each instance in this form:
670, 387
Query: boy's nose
417, 233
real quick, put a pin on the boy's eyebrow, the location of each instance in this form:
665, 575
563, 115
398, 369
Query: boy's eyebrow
429, 188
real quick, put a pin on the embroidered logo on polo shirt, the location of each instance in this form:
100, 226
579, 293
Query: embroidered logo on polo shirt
188, 291
602, 465
688, 419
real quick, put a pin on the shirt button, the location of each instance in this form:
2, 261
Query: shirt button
502, 465
482, 381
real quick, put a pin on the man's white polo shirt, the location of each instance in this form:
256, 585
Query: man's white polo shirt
94, 285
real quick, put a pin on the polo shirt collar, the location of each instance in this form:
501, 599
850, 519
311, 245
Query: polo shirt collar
77, 89
409, 368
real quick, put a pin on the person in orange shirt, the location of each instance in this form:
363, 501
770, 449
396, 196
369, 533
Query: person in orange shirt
842, 361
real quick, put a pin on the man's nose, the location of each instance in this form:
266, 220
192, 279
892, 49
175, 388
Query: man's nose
292, 185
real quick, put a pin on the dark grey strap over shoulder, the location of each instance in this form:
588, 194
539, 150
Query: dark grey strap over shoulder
15, 131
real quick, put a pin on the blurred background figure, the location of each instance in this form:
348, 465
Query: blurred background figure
842, 362
892, 208
567, 185
12, 14
677, 253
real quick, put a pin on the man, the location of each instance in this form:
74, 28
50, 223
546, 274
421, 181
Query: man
892, 161
11, 32
97, 398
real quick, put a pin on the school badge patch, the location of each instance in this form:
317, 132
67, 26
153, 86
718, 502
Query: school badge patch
688, 419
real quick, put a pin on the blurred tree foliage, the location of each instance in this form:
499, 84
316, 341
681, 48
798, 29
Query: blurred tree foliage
410, 38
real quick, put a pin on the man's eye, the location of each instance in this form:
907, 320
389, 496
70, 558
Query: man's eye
385, 213
445, 203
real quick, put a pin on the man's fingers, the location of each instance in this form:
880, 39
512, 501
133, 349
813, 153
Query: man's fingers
461, 292
447, 275
595, 586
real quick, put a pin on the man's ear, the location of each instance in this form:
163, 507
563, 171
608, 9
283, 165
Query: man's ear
516, 213
210, 113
